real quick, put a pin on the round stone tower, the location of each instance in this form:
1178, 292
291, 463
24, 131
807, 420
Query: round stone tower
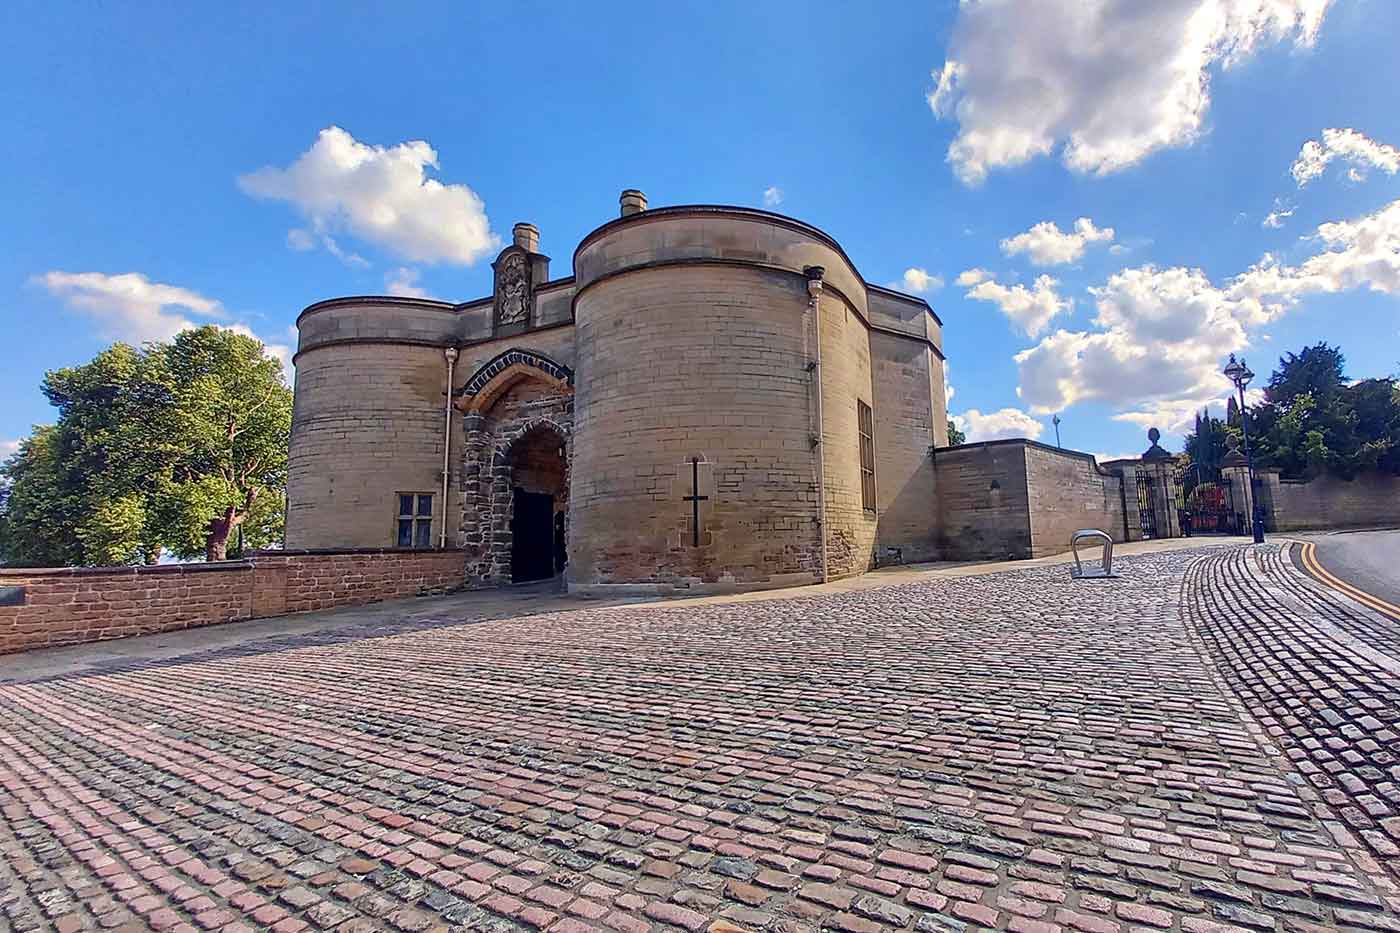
700, 407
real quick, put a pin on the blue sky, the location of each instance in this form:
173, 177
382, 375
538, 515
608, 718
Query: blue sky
169, 165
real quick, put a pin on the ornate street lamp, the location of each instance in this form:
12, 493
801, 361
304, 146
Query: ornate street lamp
1238, 373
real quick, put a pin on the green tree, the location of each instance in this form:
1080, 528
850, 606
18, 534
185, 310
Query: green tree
1318, 371
955, 434
173, 446
1313, 421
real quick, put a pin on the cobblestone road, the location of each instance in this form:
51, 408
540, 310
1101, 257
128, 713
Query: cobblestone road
1010, 751
1321, 673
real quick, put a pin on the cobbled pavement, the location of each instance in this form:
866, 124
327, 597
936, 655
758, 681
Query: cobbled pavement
1012, 751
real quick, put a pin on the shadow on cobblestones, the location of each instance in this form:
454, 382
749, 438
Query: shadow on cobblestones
1008, 751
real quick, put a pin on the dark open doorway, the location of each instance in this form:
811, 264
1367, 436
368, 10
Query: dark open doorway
532, 537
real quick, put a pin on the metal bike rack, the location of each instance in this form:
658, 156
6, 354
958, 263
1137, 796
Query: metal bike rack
1105, 570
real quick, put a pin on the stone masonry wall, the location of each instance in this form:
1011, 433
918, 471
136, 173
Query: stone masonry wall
1066, 491
982, 503
1020, 499
905, 431
367, 424
70, 606
1368, 500
693, 361
845, 381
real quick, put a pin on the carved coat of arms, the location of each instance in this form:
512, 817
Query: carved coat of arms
513, 291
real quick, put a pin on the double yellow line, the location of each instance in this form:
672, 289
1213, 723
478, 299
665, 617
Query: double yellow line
1310, 563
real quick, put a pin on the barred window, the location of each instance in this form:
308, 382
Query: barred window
415, 522
865, 419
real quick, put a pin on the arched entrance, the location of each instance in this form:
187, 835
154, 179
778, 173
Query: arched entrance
517, 417
538, 504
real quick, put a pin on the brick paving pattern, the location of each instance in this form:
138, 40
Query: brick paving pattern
1011, 751
1322, 675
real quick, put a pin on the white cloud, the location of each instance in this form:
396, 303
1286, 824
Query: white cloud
1163, 333
1030, 308
996, 425
1104, 82
969, 277
1049, 246
772, 196
1348, 145
403, 282
917, 281
382, 195
8, 449
1276, 217
129, 306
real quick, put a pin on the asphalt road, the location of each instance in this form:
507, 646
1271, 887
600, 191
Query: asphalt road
1369, 560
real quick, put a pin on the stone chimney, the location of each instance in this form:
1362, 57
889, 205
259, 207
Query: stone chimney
527, 237
633, 202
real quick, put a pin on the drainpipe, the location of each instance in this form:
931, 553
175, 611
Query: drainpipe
814, 292
450, 354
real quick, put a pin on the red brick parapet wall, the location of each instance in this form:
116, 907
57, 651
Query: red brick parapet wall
71, 605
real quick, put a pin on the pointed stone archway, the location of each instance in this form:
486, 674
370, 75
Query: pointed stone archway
518, 420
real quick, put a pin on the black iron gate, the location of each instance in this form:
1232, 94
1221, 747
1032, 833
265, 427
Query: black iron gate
1147, 508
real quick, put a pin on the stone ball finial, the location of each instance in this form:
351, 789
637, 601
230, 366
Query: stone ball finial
1155, 452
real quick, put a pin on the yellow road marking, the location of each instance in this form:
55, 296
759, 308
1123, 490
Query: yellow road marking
1310, 563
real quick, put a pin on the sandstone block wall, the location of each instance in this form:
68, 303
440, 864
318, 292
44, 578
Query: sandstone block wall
982, 502
1369, 500
846, 381
692, 361
908, 420
367, 423
69, 606
1019, 499
1067, 491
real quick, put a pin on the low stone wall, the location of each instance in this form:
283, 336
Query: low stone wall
982, 504
1068, 491
72, 605
1371, 500
1019, 499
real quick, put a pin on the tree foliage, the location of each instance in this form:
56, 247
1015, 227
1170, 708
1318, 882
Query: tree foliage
170, 447
1313, 421
955, 434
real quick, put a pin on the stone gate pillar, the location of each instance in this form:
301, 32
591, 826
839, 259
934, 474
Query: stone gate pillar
1159, 466
1234, 469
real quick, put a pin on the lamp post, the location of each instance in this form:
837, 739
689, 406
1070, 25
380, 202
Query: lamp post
1238, 373
1056, 421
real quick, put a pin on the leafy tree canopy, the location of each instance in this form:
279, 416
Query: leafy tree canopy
1314, 421
172, 447
955, 434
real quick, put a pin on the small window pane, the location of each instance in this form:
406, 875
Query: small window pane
423, 534
406, 532
405, 505
425, 505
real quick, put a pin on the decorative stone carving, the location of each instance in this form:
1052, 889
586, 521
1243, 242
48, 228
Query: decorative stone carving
514, 295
